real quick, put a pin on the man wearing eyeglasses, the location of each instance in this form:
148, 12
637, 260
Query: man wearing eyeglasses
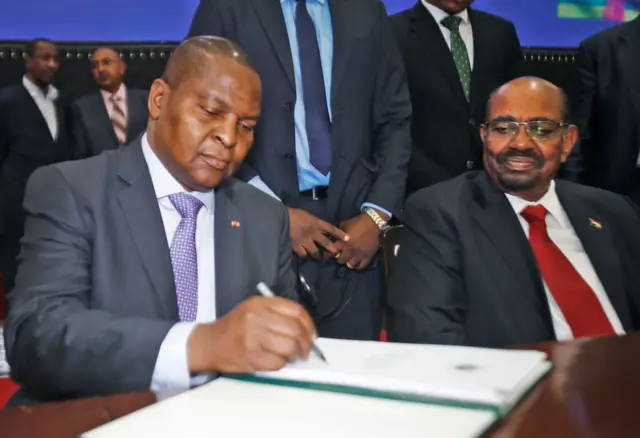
509, 255
112, 118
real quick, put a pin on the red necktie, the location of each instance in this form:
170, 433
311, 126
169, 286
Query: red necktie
576, 299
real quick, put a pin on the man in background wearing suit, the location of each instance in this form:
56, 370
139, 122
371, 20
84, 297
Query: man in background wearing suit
139, 265
33, 133
454, 56
510, 256
111, 118
607, 110
334, 142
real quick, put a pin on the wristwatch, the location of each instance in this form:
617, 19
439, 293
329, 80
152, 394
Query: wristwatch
376, 218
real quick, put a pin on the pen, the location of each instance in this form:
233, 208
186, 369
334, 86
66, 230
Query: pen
265, 291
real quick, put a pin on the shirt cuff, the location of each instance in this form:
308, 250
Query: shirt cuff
369, 204
257, 182
172, 368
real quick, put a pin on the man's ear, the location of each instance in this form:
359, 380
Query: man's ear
157, 94
569, 139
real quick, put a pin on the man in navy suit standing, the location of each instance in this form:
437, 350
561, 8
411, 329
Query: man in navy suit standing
333, 144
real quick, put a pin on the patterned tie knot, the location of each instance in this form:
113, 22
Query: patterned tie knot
452, 22
115, 99
188, 206
534, 213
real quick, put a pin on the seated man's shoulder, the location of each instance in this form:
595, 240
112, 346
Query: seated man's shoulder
446, 194
248, 197
85, 175
609, 203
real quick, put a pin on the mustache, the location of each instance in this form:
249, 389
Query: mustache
103, 76
502, 157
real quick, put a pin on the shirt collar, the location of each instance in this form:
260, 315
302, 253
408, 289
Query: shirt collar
35, 91
549, 201
164, 183
439, 15
120, 95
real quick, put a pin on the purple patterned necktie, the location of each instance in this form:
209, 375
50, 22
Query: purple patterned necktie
184, 257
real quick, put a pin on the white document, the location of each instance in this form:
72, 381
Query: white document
497, 378
234, 409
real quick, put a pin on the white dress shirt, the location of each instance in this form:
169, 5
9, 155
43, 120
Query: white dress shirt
564, 236
465, 28
46, 104
171, 370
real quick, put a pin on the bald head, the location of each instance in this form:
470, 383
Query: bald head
193, 55
530, 87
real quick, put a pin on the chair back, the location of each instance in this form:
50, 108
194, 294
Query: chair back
388, 251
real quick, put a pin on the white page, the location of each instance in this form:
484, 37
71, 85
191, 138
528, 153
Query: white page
496, 377
228, 408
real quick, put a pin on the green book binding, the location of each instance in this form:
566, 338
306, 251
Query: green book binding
499, 411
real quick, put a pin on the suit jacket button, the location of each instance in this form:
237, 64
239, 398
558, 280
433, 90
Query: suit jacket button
472, 122
469, 164
288, 156
288, 107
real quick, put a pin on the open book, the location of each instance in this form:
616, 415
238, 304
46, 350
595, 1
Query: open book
476, 378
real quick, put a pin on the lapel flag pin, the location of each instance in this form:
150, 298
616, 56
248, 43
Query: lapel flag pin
235, 224
595, 224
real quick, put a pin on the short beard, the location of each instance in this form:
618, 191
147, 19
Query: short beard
517, 183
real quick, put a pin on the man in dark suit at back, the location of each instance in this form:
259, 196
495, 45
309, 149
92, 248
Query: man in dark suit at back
454, 56
607, 109
114, 116
510, 255
33, 133
139, 266
334, 143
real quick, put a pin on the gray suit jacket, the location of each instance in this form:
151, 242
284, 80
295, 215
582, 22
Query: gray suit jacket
95, 295
91, 129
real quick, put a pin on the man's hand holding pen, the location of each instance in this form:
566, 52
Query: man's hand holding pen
260, 334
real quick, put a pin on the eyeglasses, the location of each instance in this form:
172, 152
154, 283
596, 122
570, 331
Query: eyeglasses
538, 130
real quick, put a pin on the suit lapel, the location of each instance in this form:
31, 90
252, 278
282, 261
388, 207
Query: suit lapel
500, 223
98, 111
270, 14
140, 208
38, 117
630, 63
433, 46
481, 48
229, 254
598, 243
341, 23
135, 114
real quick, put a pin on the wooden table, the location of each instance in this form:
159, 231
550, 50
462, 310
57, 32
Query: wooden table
593, 391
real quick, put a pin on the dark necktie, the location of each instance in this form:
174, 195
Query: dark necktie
577, 301
317, 123
459, 52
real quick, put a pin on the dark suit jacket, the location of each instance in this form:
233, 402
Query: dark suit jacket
92, 130
465, 273
95, 294
369, 100
25, 145
445, 128
607, 110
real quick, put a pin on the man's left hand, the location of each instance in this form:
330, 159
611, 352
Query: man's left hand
364, 241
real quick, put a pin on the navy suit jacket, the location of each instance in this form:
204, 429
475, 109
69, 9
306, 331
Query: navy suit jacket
369, 101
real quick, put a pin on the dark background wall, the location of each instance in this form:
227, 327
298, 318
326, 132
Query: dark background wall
145, 62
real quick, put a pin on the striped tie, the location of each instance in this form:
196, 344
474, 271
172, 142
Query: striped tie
119, 121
